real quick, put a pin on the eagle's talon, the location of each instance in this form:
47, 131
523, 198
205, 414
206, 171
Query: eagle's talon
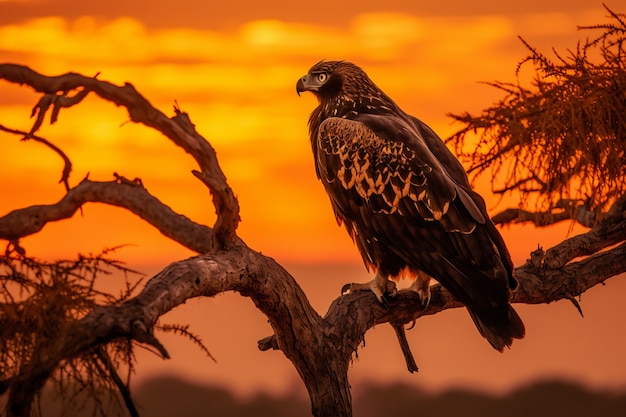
421, 286
392, 291
380, 286
384, 302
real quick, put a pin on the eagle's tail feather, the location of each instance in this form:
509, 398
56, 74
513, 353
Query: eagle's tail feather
501, 335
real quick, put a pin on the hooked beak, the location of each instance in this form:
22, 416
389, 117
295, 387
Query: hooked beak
307, 83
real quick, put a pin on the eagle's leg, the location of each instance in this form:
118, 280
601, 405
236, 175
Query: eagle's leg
421, 286
380, 286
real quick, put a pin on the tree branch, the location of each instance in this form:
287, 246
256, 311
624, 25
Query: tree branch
67, 164
178, 129
565, 209
609, 231
125, 194
109, 368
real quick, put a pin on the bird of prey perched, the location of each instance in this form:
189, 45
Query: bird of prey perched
406, 200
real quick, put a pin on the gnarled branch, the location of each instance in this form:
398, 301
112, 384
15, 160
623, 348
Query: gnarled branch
178, 129
121, 193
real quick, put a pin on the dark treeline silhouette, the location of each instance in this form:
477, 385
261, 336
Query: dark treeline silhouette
172, 397
546, 398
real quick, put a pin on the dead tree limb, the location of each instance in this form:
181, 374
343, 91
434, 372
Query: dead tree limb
225, 263
67, 164
124, 194
566, 209
178, 129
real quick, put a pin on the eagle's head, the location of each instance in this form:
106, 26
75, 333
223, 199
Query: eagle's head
341, 87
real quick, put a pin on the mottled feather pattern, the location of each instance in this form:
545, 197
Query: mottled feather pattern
389, 176
379, 171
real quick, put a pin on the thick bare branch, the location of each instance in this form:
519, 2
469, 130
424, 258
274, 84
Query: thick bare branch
609, 231
243, 270
125, 194
179, 129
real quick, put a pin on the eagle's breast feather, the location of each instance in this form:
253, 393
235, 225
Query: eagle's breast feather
389, 176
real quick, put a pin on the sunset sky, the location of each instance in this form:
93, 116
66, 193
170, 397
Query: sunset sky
233, 67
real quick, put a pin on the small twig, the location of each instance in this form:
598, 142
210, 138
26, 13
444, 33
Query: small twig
40, 109
123, 180
66, 101
404, 346
143, 335
267, 343
105, 359
184, 331
574, 301
537, 258
67, 167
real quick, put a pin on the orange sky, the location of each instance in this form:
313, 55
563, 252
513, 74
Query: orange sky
233, 68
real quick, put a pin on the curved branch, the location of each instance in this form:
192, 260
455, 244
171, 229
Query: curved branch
67, 164
609, 231
179, 129
567, 210
547, 285
126, 194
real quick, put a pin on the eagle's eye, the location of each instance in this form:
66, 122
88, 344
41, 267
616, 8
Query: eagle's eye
322, 76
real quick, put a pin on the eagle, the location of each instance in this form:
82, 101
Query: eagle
406, 201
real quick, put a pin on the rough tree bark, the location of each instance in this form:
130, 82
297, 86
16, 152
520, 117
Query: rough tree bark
225, 263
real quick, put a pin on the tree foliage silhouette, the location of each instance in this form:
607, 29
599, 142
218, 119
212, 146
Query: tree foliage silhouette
563, 139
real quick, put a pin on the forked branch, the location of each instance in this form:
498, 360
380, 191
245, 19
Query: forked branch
178, 129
